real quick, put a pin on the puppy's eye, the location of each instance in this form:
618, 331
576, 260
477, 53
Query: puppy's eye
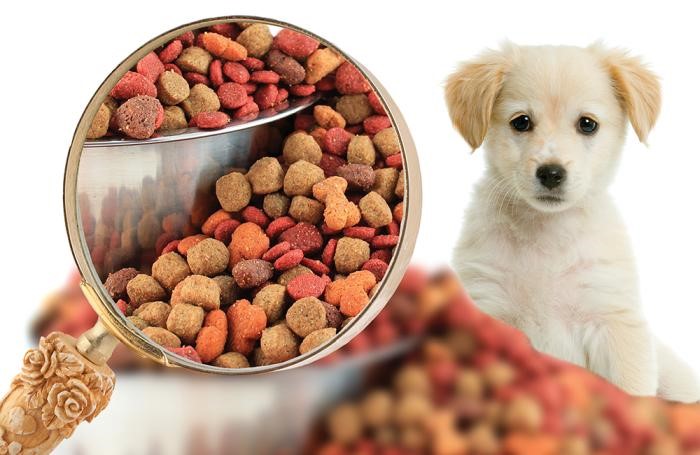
587, 125
521, 123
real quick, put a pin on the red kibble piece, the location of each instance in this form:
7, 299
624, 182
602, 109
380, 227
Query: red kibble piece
316, 266
133, 84
195, 78
383, 255
122, 306
376, 103
279, 225
253, 64
216, 75
164, 239
336, 141
304, 236
236, 72
349, 80
187, 38
211, 120
375, 123
302, 89
224, 230
289, 259
171, 51
227, 29
150, 66
255, 215
248, 111
393, 228
304, 122
330, 164
199, 41
250, 88
295, 44
266, 96
377, 267
173, 67
385, 241
326, 84
282, 95
170, 247
187, 352
232, 95
365, 233
395, 161
265, 77
276, 251
306, 285
160, 116
329, 252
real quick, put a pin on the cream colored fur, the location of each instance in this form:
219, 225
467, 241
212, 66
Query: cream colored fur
562, 272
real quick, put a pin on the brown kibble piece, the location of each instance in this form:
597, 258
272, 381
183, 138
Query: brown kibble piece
100, 123
301, 177
144, 288
271, 299
387, 142
197, 290
185, 321
231, 360
257, 40
306, 209
375, 211
195, 59
301, 146
233, 191
306, 315
350, 254
209, 257
201, 99
276, 205
385, 181
291, 72
116, 282
169, 269
153, 313
228, 289
399, 190
251, 273
321, 63
354, 108
173, 118
328, 118
361, 151
278, 344
359, 176
266, 176
292, 273
316, 339
137, 117
172, 88
138, 322
162, 337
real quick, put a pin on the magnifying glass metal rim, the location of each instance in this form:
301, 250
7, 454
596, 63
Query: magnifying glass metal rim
104, 305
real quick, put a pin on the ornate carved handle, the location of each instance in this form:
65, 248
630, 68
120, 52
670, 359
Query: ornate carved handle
62, 383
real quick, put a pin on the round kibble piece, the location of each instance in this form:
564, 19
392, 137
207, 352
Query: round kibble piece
385, 181
231, 360
154, 313
185, 321
232, 95
291, 72
301, 146
276, 205
292, 273
328, 118
266, 176
197, 290
257, 39
116, 282
279, 344
306, 209
251, 273
233, 191
138, 116
100, 123
195, 59
359, 176
201, 99
271, 299
321, 63
354, 108
301, 177
209, 257
162, 337
361, 151
144, 288
228, 289
375, 211
387, 142
306, 315
173, 118
316, 339
303, 236
350, 254
249, 241
172, 88
169, 269
295, 44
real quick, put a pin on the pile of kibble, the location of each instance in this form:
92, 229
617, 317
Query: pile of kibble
299, 244
207, 77
475, 386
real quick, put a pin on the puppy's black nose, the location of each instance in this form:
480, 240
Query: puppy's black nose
551, 175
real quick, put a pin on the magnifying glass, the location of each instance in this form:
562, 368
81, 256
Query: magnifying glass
128, 198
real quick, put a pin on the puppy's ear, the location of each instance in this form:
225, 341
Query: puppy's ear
637, 87
471, 91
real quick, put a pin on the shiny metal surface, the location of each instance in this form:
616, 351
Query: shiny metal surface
120, 194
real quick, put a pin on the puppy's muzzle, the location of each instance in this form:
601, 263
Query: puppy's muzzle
551, 175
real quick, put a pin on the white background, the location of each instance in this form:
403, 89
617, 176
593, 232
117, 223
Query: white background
56, 55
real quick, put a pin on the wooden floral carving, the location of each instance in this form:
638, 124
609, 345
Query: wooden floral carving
56, 390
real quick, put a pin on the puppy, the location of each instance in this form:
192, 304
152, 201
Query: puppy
543, 247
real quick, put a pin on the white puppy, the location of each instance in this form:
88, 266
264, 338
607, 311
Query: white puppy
543, 247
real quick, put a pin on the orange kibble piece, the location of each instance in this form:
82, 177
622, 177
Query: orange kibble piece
334, 291
353, 300
334, 185
213, 221
249, 241
210, 343
246, 323
188, 242
364, 278
216, 318
223, 47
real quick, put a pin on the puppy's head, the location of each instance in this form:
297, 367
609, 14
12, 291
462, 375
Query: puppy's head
552, 119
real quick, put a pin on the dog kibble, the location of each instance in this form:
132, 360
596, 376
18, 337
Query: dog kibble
211, 339
194, 59
223, 47
316, 339
173, 118
185, 321
375, 210
132, 84
306, 315
301, 146
271, 299
387, 142
228, 290
292, 273
359, 176
197, 290
246, 323
278, 344
354, 108
257, 39
155, 314
306, 285
361, 151
328, 118
266, 176
291, 72
276, 205
320, 63
251, 273
163, 337
100, 123
306, 209
209, 257
349, 80
144, 288
201, 99
231, 360
350, 254
138, 322
385, 181
295, 44
249, 241
233, 191
169, 269
172, 88
301, 177
116, 283
139, 117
